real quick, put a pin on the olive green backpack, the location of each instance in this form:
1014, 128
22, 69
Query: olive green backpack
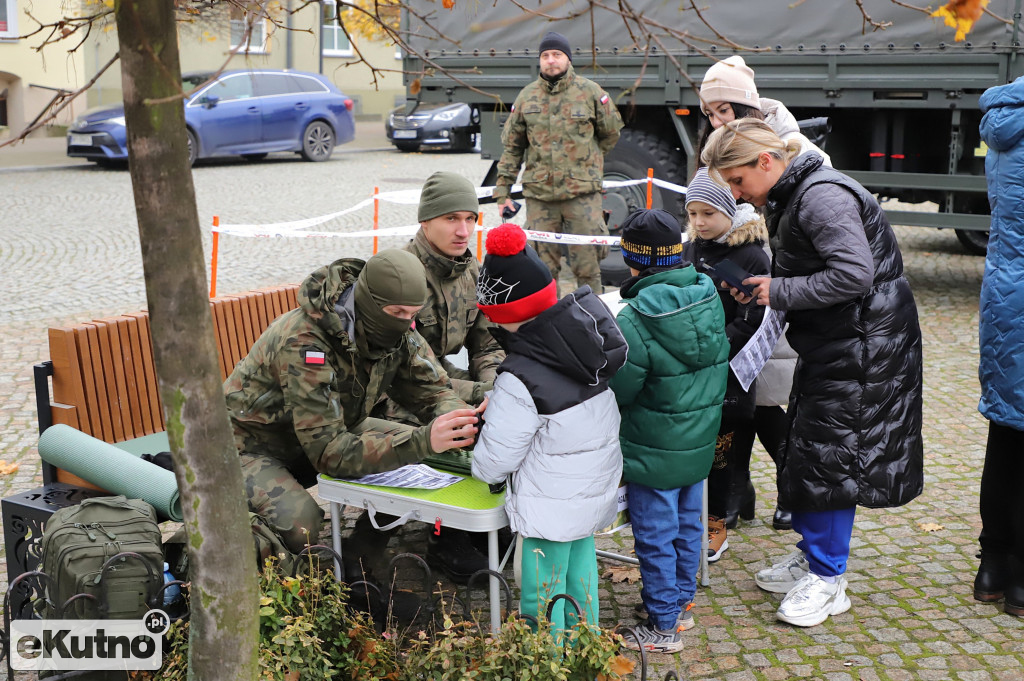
79, 540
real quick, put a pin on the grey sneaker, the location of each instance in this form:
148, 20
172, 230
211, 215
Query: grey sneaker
812, 600
684, 622
782, 576
653, 640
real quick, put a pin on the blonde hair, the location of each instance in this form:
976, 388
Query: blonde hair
741, 142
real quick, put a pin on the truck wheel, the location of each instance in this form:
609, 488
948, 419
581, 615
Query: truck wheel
974, 242
636, 151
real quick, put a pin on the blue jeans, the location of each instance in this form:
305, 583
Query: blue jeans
667, 534
826, 539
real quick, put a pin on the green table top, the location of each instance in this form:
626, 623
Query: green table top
468, 493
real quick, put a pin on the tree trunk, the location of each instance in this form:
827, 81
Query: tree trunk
224, 595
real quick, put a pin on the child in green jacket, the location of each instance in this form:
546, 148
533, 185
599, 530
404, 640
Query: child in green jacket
670, 396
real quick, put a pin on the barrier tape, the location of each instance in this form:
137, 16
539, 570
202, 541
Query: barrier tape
409, 197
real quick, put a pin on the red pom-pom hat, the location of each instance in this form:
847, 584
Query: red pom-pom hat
514, 284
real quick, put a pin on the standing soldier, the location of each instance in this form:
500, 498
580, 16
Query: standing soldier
562, 125
300, 401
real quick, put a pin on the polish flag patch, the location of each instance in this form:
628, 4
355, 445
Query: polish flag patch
513, 109
314, 357
604, 100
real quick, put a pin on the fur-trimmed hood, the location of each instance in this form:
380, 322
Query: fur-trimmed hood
747, 227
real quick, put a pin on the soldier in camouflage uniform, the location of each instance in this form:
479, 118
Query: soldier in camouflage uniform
299, 402
451, 321
562, 125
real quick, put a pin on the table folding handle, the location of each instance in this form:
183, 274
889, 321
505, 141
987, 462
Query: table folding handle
398, 522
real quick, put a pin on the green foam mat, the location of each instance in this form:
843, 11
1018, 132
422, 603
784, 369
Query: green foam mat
111, 468
468, 493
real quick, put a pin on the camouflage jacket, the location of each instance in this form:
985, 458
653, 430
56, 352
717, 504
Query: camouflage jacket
304, 383
450, 319
562, 130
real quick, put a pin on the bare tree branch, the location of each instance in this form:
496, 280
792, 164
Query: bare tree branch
41, 120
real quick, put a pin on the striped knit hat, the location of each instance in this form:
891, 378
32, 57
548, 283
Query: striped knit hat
651, 238
702, 188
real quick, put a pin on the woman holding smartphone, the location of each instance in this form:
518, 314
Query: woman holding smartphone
854, 436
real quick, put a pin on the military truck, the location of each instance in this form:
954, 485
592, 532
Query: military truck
899, 92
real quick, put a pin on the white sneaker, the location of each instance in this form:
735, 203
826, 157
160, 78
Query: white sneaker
782, 576
812, 600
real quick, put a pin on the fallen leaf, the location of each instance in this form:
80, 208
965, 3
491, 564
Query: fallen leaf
622, 573
292, 676
448, 4
930, 527
8, 468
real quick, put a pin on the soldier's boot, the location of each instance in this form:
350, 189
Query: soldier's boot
454, 553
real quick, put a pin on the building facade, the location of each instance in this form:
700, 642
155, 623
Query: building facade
309, 39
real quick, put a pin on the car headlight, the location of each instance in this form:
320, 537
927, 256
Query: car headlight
116, 120
391, 120
446, 116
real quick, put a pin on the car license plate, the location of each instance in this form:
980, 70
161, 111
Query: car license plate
81, 140
405, 134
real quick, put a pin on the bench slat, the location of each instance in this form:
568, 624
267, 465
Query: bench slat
134, 390
68, 392
113, 376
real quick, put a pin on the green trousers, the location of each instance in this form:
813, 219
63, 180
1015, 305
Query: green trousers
554, 567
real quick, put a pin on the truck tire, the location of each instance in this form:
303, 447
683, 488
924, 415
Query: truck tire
636, 151
974, 241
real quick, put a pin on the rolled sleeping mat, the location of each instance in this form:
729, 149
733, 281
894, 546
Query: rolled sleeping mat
111, 468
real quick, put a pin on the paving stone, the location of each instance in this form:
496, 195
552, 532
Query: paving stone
911, 590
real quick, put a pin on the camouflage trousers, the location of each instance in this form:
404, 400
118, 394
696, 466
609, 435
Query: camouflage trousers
278, 493
581, 215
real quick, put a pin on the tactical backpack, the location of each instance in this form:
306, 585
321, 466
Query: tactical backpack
79, 540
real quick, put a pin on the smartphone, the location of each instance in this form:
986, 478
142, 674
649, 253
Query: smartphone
732, 274
509, 213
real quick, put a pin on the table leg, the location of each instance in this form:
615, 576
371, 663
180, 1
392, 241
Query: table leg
336, 536
492, 562
705, 578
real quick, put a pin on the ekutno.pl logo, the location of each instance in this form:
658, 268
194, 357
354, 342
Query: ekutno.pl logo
65, 645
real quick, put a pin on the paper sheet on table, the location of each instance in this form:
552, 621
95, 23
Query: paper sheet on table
749, 361
416, 476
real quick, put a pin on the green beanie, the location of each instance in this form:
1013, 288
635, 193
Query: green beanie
446, 193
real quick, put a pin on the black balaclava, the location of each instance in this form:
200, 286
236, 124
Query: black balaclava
392, 277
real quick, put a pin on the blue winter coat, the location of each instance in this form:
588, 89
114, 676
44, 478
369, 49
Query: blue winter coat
1001, 329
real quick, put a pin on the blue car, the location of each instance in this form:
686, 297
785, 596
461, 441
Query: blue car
243, 113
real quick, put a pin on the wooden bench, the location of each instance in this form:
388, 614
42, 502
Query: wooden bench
104, 384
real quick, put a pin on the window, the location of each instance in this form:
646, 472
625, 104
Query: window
8, 19
235, 86
239, 22
307, 84
271, 84
335, 42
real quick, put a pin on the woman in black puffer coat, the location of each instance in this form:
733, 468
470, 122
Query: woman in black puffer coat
855, 413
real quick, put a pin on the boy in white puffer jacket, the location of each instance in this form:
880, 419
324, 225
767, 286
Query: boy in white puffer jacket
552, 423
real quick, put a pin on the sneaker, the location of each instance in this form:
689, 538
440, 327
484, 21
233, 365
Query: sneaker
653, 640
781, 577
684, 622
812, 600
717, 541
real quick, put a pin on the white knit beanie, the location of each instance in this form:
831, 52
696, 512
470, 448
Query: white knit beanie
730, 80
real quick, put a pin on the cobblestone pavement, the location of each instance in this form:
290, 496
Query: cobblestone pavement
69, 251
